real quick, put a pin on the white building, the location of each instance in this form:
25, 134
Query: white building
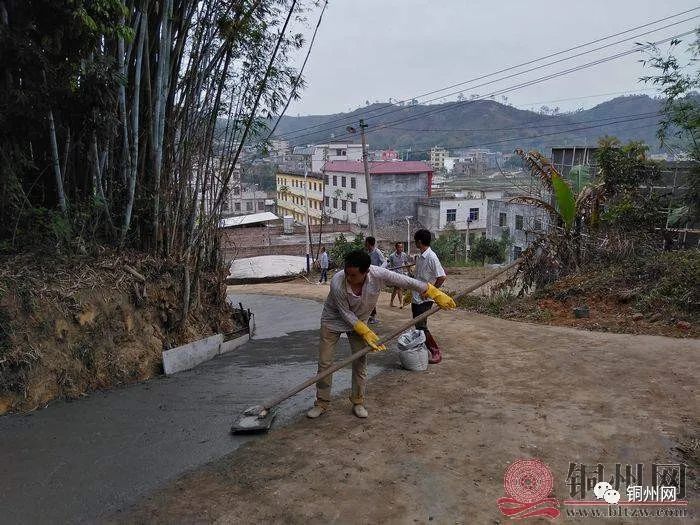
322, 153
437, 157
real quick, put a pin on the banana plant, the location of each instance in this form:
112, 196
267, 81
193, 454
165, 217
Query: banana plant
569, 208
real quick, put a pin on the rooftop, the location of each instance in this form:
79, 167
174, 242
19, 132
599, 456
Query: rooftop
379, 167
244, 220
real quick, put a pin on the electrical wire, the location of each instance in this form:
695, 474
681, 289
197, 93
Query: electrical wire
448, 107
510, 68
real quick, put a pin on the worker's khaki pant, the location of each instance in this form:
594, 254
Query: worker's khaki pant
329, 339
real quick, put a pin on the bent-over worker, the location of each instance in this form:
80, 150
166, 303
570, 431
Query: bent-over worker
353, 295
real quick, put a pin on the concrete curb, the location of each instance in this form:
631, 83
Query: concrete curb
192, 354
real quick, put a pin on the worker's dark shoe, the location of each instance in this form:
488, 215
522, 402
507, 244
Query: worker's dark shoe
359, 411
315, 412
435, 356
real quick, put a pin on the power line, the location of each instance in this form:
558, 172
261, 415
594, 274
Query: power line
301, 71
448, 107
529, 104
526, 125
513, 139
510, 68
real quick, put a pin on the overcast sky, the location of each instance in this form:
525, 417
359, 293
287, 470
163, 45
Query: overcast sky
377, 49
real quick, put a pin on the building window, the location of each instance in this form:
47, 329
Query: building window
335, 202
517, 250
335, 180
343, 182
473, 214
248, 206
224, 206
325, 179
344, 204
353, 182
353, 207
363, 201
261, 205
503, 219
237, 206
538, 224
340, 153
472, 237
328, 202
518, 222
452, 215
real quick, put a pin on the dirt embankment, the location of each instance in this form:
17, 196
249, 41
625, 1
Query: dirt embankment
71, 326
657, 295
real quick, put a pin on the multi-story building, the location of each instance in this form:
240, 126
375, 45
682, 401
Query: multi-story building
246, 201
322, 153
292, 193
396, 188
522, 222
437, 158
489, 217
459, 212
566, 157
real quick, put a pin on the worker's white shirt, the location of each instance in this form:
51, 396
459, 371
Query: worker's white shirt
324, 260
428, 268
377, 258
343, 308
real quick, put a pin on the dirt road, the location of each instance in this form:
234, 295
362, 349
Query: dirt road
437, 443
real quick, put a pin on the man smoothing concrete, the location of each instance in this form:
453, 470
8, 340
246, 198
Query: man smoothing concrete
353, 295
429, 270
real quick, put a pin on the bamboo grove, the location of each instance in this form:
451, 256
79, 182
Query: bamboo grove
121, 121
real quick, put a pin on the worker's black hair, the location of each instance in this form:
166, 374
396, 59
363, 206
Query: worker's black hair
396, 245
370, 240
358, 259
423, 236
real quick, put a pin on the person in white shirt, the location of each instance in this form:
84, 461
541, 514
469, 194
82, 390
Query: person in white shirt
397, 262
323, 259
429, 270
353, 295
378, 259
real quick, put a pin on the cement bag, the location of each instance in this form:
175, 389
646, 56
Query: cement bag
413, 353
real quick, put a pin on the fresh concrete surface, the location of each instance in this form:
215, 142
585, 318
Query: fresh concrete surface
190, 355
84, 461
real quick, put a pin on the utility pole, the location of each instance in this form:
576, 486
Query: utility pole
408, 234
368, 182
306, 216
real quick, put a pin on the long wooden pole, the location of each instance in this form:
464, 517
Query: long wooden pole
263, 409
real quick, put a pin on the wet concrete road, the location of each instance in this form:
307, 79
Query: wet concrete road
82, 461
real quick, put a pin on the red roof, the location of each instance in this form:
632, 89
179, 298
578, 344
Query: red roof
379, 167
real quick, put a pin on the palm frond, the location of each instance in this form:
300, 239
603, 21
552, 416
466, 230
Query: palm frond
534, 201
539, 166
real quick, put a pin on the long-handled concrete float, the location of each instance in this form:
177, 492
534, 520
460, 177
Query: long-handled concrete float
259, 418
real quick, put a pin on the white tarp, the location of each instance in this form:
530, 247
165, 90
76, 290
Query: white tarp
267, 266
253, 218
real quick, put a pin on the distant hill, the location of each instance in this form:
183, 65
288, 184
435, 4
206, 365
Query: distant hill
482, 123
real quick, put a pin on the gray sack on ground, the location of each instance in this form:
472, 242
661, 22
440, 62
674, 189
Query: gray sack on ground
413, 353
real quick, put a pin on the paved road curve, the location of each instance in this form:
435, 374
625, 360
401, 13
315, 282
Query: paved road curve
84, 460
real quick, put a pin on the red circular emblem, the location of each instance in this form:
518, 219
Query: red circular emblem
528, 480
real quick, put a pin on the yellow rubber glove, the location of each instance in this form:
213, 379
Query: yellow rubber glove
443, 300
369, 336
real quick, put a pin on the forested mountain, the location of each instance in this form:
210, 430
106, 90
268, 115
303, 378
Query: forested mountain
481, 123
